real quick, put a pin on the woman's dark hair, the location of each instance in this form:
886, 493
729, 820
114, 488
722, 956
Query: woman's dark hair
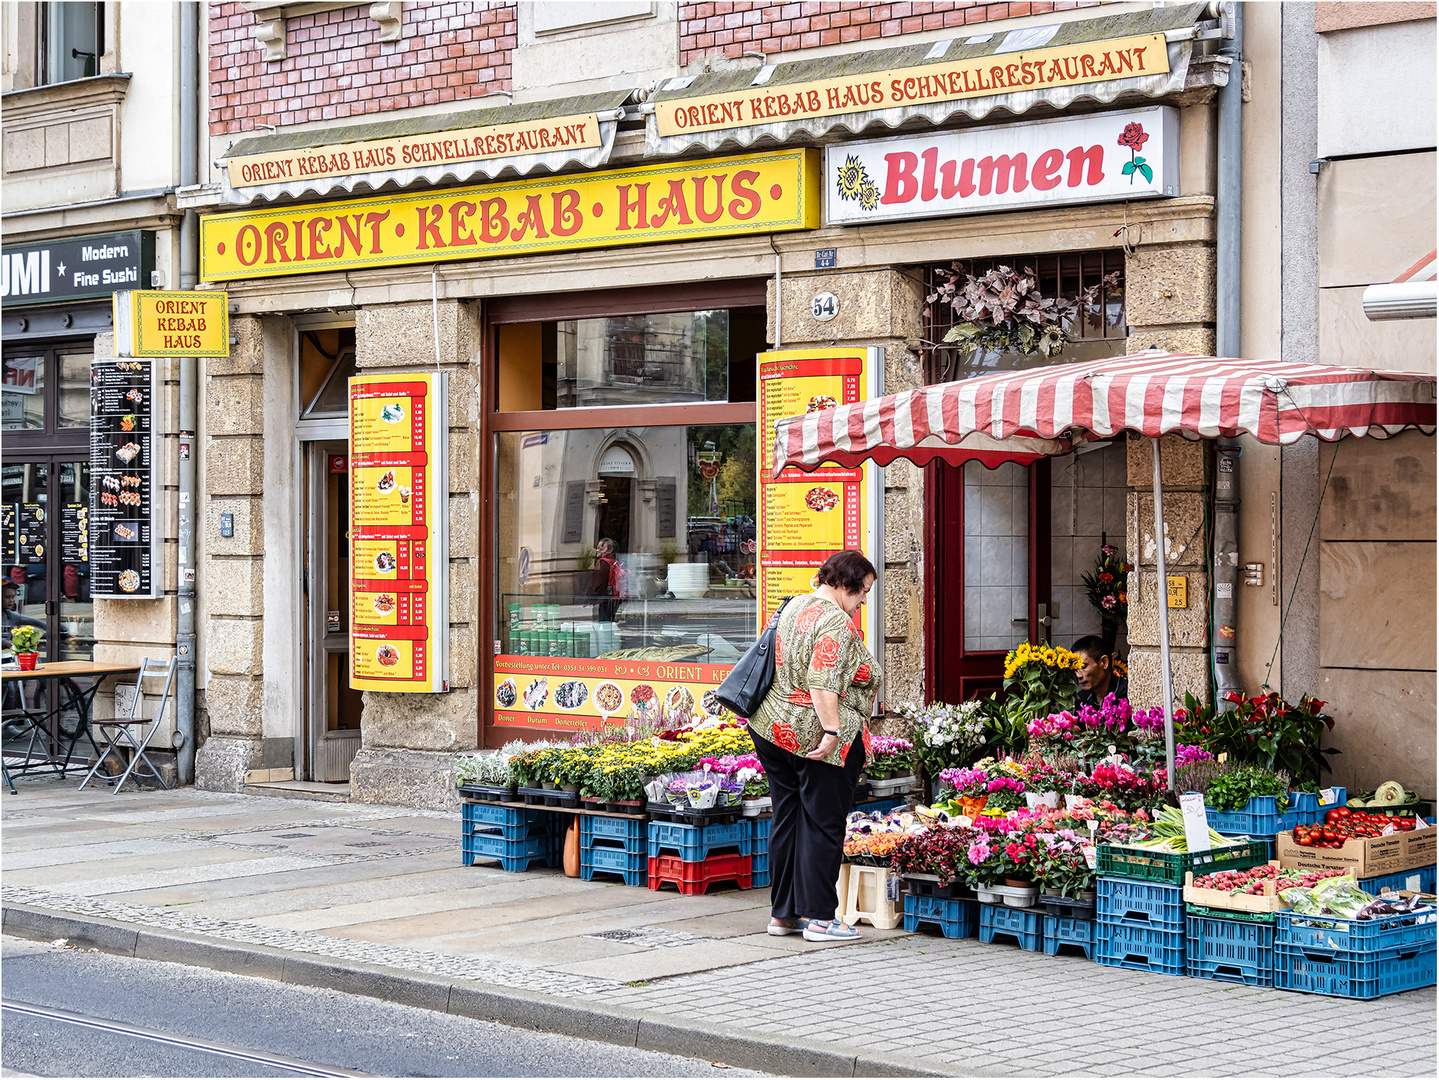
846, 570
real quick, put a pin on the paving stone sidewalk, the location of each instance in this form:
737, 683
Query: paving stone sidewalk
382, 887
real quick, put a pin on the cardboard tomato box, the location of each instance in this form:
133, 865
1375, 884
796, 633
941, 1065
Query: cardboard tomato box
1368, 857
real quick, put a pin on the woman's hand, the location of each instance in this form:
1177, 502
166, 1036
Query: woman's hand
826, 746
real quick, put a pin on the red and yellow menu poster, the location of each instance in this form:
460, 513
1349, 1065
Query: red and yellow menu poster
805, 517
399, 544
562, 692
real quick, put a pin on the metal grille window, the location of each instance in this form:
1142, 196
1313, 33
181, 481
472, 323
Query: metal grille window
1098, 330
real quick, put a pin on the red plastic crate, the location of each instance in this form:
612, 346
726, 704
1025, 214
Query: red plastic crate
693, 878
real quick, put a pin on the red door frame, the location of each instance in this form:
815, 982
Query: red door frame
951, 673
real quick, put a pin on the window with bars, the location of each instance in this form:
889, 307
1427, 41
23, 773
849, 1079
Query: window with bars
1097, 330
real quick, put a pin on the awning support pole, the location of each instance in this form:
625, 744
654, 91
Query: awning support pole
1161, 594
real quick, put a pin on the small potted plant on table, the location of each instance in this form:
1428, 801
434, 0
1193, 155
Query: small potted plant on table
26, 641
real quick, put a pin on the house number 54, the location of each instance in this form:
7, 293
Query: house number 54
825, 306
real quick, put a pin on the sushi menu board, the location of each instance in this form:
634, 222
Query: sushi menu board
399, 544
75, 533
805, 517
124, 538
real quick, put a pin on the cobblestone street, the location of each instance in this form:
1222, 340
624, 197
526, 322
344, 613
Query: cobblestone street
381, 887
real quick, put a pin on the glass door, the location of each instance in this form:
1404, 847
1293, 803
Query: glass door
333, 706
46, 506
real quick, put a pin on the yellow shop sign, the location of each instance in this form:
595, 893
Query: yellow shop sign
150, 323
756, 193
871, 91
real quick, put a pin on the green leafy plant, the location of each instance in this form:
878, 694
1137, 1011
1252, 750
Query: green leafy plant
26, 639
1004, 309
1265, 731
1233, 789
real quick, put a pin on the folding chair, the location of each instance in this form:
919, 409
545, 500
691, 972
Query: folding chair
118, 729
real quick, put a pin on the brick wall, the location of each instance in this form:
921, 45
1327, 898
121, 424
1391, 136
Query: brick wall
733, 27
336, 66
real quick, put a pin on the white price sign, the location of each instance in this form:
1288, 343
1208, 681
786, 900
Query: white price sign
1196, 821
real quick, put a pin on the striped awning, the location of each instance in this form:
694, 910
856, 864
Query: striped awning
1021, 415
1414, 294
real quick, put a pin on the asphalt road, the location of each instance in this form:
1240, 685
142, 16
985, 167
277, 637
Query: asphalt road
326, 1028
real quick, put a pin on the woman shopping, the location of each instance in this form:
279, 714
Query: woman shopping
811, 733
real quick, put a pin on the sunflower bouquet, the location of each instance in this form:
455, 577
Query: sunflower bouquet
1039, 680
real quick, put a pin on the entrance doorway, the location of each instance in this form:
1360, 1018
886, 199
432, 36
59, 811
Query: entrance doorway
332, 706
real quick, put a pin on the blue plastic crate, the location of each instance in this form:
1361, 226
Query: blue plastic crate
514, 855
1076, 932
1418, 928
606, 832
1139, 947
759, 880
633, 867
762, 827
953, 918
1258, 817
1140, 903
513, 821
1025, 925
878, 806
1362, 975
1421, 880
759, 864
1229, 950
695, 843
1304, 805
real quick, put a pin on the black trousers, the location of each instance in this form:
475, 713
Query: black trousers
806, 843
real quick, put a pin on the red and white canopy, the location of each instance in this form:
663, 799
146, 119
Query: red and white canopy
1023, 415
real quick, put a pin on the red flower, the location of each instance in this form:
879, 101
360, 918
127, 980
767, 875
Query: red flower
826, 654
863, 673
868, 750
801, 697
807, 618
843, 753
778, 652
1134, 137
784, 736
1106, 578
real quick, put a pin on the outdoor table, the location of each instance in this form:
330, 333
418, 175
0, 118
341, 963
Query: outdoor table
43, 727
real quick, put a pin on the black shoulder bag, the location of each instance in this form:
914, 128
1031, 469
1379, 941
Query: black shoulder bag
747, 684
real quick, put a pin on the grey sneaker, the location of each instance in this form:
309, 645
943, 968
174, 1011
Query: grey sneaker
778, 928
834, 930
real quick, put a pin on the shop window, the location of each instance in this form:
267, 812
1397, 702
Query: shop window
672, 358
71, 41
46, 388
675, 507
327, 360
1097, 330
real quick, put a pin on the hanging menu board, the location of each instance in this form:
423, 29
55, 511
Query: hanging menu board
124, 542
75, 534
399, 543
805, 517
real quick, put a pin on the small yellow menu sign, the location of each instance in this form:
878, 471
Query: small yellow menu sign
151, 323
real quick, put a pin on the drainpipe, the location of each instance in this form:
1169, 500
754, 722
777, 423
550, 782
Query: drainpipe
189, 391
1224, 573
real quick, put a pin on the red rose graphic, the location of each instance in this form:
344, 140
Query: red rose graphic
843, 753
863, 674
784, 737
778, 653
826, 654
868, 750
1134, 137
807, 618
801, 697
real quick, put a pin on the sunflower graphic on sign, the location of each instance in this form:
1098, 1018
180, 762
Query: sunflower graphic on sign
853, 184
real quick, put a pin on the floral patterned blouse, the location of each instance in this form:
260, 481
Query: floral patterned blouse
816, 647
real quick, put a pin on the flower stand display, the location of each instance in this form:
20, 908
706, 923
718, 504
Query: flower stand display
515, 836
695, 843
953, 918
865, 897
613, 845
1234, 947
1324, 954
1075, 933
1024, 925
694, 878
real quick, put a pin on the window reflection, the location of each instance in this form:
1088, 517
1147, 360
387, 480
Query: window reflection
24, 392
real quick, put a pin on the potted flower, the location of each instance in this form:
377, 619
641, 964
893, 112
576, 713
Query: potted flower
1062, 869
26, 641
1043, 785
943, 736
1005, 793
1039, 680
889, 758
1108, 587
486, 774
938, 855
984, 866
971, 788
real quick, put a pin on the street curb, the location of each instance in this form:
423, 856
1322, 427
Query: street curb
585, 1019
